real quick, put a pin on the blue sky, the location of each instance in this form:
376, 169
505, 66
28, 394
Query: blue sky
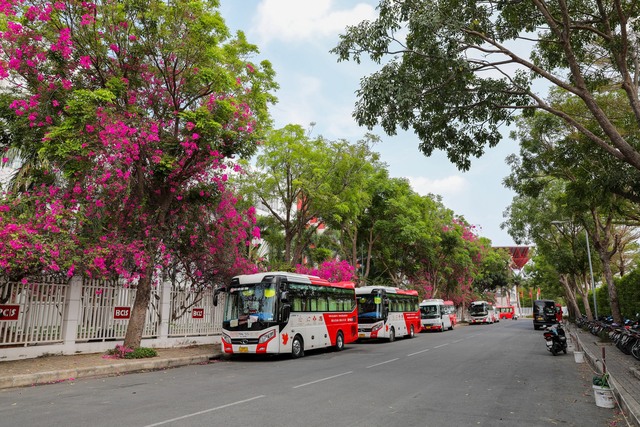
296, 36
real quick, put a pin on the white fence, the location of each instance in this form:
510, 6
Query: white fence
48, 316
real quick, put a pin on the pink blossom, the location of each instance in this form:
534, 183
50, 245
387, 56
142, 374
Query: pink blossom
87, 19
85, 61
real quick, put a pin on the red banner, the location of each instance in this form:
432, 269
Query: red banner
9, 312
197, 313
121, 312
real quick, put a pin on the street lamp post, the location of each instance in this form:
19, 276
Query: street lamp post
593, 284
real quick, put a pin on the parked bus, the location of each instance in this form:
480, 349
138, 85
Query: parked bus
481, 312
280, 312
387, 312
451, 310
544, 313
507, 312
435, 316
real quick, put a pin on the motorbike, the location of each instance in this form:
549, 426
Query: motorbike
556, 339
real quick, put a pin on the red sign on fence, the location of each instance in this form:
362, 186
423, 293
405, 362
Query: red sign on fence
197, 313
121, 312
9, 312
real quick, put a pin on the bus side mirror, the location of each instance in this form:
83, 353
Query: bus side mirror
284, 295
215, 295
286, 312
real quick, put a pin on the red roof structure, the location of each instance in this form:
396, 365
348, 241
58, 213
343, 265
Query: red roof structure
519, 255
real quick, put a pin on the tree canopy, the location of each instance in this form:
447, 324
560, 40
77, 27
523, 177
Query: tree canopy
131, 111
455, 71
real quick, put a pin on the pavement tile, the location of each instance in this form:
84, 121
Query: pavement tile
624, 370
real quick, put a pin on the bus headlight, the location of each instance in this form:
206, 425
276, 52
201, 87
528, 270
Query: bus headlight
376, 327
226, 338
266, 337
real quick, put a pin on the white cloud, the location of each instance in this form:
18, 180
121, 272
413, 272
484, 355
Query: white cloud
308, 89
300, 21
446, 187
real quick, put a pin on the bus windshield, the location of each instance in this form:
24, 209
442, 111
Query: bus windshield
478, 309
369, 307
429, 311
249, 304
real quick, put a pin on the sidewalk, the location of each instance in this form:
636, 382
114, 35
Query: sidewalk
53, 369
624, 370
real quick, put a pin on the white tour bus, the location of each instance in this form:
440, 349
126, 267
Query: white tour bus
482, 312
387, 312
280, 312
435, 315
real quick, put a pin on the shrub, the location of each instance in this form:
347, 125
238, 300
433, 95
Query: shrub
141, 353
122, 352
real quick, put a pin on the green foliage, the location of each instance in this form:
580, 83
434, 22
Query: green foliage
451, 80
494, 272
123, 352
629, 293
601, 380
141, 353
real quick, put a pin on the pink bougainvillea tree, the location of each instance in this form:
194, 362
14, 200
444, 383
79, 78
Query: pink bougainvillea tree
133, 112
453, 265
332, 270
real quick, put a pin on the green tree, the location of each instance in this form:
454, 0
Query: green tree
306, 183
494, 272
597, 198
561, 245
448, 70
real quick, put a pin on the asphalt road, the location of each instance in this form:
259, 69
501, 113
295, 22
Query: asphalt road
482, 375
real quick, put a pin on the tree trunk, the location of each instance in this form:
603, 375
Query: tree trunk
613, 292
585, 301
570, 293
136, 324
602, 241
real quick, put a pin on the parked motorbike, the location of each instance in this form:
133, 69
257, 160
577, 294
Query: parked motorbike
556, 339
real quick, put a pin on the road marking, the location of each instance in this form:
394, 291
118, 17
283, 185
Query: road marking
323, 379
441, 345
382, 363
457, 341
418, 352
205, 411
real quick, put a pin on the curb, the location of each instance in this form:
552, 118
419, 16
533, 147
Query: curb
51, 377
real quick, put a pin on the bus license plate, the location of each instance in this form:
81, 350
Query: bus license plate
243, 349
361, 335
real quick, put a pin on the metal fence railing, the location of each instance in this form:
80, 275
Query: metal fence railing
36, 311
192, 313
32, 312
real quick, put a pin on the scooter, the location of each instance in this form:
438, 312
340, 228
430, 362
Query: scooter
556, 339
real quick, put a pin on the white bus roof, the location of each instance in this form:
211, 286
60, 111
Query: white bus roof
366, 290
432, 301
369, 289
258, 277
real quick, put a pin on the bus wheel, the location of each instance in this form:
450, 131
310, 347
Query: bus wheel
412, 333
339, 341
392, 335
297, 347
